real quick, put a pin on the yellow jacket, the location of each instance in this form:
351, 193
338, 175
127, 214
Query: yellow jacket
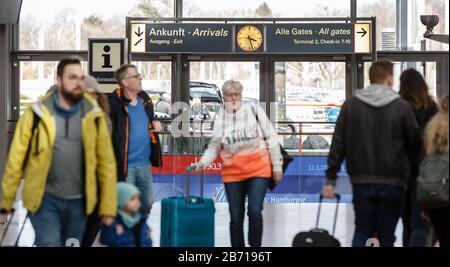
100, 164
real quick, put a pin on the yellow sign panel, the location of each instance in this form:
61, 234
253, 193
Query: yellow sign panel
362, 38
138, 38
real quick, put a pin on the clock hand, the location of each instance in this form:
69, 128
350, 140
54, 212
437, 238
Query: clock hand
250, 40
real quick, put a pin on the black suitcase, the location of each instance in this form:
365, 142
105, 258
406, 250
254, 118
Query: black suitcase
318, 237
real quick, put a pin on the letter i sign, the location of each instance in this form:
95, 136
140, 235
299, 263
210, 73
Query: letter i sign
106, 57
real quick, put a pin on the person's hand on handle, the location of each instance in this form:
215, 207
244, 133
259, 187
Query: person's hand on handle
199, 167
277, 176
107, 220
425, 215
328, 191
157, 127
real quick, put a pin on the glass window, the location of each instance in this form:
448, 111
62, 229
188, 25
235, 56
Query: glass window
300, 87
36, 77
427, 69
67, 24
384, 10
207, 92
156, 78
266, 8
308, 98
216, 73
428, 7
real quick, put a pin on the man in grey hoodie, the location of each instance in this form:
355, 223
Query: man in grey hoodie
378, 136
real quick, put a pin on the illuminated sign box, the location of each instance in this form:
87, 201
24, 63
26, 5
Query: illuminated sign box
308, 38
277, 38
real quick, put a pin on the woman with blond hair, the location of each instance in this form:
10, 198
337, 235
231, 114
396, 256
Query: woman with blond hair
436, 142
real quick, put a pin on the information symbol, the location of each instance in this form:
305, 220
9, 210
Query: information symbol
72, 242
106, 57
372, 242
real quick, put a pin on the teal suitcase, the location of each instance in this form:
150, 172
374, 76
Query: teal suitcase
187, 221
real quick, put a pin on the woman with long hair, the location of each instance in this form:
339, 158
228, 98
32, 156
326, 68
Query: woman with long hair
436, 142
93, 223
414, 89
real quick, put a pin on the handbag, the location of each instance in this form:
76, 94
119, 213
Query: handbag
287, 159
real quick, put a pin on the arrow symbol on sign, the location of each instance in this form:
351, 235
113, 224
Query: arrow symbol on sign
363, 32
139, 33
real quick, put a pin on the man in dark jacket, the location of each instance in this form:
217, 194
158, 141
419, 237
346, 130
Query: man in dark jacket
136, 144
378, 136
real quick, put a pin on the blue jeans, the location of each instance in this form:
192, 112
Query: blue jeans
142, 178
255, 188
58, 220
377, 212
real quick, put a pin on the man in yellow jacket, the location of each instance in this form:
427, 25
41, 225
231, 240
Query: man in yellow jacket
62, 148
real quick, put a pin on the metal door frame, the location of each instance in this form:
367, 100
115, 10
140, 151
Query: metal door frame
440, 57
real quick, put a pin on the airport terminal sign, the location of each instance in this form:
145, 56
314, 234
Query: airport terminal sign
182, 38
277, 38
305, 38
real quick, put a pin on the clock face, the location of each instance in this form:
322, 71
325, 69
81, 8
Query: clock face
249, 38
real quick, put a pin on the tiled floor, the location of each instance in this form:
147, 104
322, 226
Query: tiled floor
281, 223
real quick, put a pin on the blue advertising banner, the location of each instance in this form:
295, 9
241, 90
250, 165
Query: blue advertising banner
302, 182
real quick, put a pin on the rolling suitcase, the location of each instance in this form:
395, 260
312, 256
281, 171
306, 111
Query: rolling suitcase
5, 230
187, 221
318, 237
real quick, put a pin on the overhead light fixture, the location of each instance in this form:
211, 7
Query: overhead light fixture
430, 21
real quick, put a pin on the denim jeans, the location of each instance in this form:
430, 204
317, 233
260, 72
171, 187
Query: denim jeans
377, 212
142, 178
255, 188
58, 220
416, 230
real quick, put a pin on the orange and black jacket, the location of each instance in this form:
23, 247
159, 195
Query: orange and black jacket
121, 128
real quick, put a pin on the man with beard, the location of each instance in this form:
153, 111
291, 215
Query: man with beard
63, 147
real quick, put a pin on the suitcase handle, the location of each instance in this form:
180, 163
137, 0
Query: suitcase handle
338, 199
190, 169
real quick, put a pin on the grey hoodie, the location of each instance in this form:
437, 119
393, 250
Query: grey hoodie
377, 95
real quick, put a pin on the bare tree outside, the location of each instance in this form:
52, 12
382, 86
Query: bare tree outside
30, 25
61, 33
263, 11
383, 10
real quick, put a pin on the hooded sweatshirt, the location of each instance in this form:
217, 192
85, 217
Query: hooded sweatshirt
378, 136
248, 147
377, 95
